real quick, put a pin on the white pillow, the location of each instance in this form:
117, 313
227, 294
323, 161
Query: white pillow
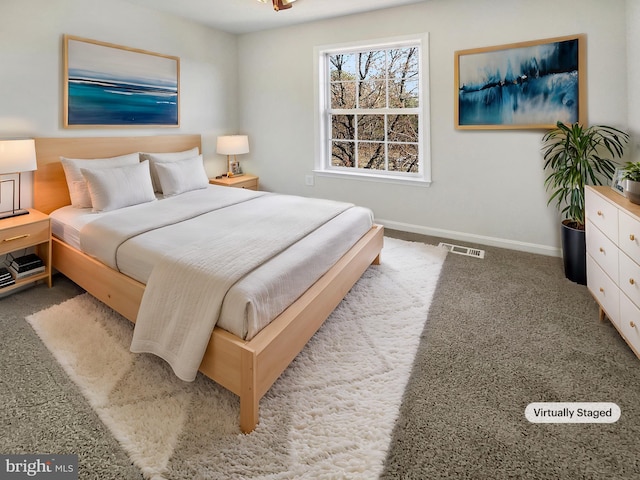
163, 158
75, 181
182, 176
113, 188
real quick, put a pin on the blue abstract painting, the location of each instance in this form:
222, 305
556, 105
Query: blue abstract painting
535, 85
116, 86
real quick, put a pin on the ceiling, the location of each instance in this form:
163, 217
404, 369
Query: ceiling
245, 16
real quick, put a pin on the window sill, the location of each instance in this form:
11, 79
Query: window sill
414, 181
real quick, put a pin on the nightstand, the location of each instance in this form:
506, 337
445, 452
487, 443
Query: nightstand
241, 181
23, 232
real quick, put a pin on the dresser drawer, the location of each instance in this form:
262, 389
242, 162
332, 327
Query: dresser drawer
23, 236
630, 323
603, 289
602, 213
629, 235
603, 250
629, 279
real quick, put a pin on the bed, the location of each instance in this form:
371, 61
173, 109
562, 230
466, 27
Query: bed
246, 367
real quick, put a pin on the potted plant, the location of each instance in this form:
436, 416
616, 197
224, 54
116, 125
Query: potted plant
577, 156
631, 179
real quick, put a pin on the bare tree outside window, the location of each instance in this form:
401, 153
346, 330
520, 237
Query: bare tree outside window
374, 111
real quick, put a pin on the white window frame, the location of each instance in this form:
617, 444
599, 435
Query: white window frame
323, 166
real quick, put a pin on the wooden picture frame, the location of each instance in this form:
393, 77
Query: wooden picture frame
107, 85
526, 85
616, 181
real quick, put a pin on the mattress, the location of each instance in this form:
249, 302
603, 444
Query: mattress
258, 297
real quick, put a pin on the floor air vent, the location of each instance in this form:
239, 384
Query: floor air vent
469, 252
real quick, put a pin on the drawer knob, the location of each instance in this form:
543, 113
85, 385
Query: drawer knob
632, 325
632, 281
601, 250
602, 289
599, 213
17, 237
632, 237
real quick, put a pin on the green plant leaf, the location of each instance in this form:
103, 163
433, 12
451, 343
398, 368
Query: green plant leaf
577, 156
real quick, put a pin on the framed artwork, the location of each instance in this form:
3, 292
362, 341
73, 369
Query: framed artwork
616, 181
108, 85
523, 85
235, 168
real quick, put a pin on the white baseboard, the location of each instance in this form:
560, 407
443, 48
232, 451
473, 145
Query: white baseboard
471, 237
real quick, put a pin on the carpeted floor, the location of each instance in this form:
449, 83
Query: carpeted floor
42, 411
330, 414
502, 332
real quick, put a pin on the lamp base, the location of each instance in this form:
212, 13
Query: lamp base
13, 213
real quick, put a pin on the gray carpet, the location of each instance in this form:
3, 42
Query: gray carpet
503, 332
43, 412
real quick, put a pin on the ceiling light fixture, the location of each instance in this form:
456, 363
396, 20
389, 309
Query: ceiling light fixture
279, 4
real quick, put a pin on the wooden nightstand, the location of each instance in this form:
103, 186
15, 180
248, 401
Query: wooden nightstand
22, 232
241, 181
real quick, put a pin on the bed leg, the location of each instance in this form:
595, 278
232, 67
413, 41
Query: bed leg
376, 261
248, 396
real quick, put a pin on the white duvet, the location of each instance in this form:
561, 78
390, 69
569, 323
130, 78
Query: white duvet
221, 256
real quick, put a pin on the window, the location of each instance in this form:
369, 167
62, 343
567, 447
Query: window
373, 110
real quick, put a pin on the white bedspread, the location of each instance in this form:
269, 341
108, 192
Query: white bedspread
177, 326
103, 237
257, 297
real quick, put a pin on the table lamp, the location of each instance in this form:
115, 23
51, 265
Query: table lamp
232, 145
16, 156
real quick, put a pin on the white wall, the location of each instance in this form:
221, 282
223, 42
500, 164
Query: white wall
633, 63
487, 185
31, 69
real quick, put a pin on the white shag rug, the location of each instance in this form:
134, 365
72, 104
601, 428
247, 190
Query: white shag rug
330, 415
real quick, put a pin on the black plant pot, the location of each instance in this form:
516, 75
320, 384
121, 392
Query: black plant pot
574, 253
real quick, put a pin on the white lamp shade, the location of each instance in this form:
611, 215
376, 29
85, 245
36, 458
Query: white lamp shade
232, 144
17, 156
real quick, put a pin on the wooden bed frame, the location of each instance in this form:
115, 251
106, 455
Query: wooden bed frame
246, 368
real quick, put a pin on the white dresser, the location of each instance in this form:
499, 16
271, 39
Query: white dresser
613, 259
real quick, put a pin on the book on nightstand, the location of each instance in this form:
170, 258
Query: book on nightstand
26, 263
6, 278
25, 273
25, 266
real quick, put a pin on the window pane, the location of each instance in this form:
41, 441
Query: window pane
342, 67
371, 65
402, 128
343, 127
343, 95
371, 155
403, 78
403, 63
372, 94
403, 93
403, 158
371, 127
343, 154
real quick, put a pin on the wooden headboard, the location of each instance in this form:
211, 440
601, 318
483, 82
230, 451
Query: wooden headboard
49, 184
